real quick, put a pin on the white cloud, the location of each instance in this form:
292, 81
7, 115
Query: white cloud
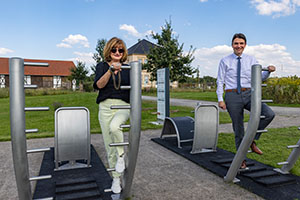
131, 30
87, 58
4, 51
208, 59
72, 40
276, 8
64, 45
203, 1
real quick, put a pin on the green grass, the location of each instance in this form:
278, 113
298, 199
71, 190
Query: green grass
273, 144
187, 94
196, 95
44, 120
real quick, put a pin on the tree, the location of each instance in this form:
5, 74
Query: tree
79, 73
98, 56
169, 53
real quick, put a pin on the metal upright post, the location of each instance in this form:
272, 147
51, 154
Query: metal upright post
293, 157
17, 127
252, 125
135, 126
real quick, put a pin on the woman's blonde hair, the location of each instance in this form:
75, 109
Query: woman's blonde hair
114, 43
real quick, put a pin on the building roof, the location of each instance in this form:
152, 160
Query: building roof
55, 68
142, 47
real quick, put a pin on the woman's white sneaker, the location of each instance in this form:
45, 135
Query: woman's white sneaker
116, 186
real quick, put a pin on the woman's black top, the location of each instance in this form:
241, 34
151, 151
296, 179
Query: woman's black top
109, 91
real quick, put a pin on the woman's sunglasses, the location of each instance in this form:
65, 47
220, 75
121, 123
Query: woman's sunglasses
114, 50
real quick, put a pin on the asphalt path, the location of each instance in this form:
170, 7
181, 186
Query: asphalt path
284, 116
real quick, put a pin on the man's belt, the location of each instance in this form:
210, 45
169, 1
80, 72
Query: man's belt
235, 90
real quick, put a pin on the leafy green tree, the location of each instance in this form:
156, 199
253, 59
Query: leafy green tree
98, 56
79, 73
169, 53
208, 79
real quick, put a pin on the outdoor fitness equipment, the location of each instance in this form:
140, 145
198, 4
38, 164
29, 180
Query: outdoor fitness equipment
293, 157
17, 126
206, 129
18, 131
203, 131
252, 125
135, 125
72, 138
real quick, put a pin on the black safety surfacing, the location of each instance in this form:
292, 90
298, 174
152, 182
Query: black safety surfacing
260, 179
83, 183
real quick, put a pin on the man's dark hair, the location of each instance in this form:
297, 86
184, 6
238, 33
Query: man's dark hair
239, 35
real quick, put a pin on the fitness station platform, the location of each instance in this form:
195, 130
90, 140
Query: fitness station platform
196, 140
79, 183
260, 179
67, 170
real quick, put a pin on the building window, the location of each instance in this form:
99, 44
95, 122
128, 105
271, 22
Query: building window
56, 81
27, 80
140, 61
2, 81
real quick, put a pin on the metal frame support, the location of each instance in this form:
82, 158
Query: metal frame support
135, 126
252, 125
206, 129
293, 157
17, 127
72, 138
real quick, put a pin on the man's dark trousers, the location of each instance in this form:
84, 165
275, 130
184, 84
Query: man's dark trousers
235, 104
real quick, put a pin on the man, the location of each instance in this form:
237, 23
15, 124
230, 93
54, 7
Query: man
235, 73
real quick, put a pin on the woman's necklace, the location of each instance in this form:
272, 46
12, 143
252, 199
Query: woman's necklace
117, 87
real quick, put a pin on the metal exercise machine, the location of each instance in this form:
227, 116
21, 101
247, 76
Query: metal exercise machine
206, 129
293, 157
202, 131
18, 131
72, 138
182, 127
252, 124
17, 126
135, 126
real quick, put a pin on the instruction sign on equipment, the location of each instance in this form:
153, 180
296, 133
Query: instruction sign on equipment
163, 94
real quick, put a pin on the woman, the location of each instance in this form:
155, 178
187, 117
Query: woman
109, 78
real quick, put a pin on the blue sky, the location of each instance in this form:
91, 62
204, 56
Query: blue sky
69, 29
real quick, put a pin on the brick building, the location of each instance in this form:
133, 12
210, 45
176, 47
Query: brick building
53, 76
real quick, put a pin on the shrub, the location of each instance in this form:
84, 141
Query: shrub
4, 92
88, 86
284, 90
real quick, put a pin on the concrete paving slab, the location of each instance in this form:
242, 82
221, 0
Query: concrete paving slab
160, 173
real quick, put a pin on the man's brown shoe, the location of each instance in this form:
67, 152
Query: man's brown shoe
243, 166
255, 149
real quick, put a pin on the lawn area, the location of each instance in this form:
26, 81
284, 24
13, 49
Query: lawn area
187, 94
272, 143
44, 120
